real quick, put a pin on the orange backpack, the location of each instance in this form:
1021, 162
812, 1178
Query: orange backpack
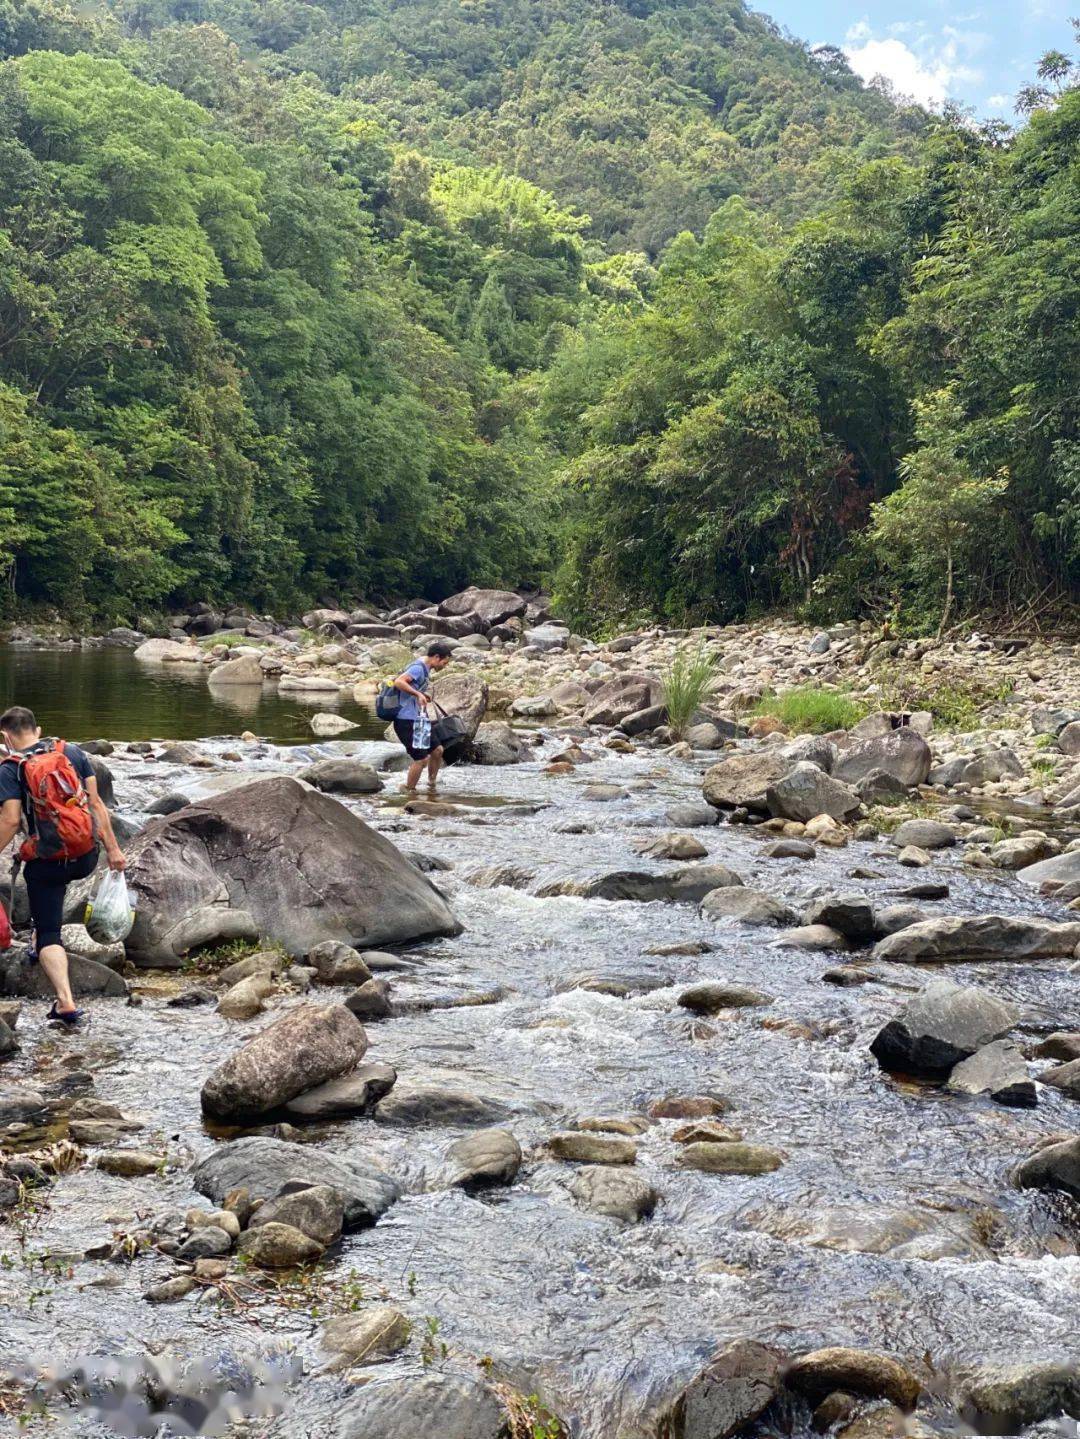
63, 827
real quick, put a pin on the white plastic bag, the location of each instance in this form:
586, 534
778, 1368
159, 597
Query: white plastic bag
109, 910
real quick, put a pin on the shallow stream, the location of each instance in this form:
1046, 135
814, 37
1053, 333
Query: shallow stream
892, 1224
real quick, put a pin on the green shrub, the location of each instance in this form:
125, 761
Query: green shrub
809, 710
686, 684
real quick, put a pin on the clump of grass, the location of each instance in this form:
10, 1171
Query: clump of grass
1044, 767
808, 710
687, 683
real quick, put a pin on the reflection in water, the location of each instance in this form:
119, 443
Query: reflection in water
92, 694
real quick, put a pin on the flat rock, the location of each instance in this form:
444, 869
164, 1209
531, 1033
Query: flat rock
1012, 1394
974, 938
712, 996
737, 1158
412, 1406
748, 906
688, 1106
349, 1097
790, 849
302, 1049
268, 962
479, 1161
584, 1148
999, 1070
615, 1192
670, 846
692, 816
434, 1104
263, 1166
1062, 1046
944, 1024
128, 1163
731, 1391
19, 1103
1061, 869
371, 1334
811, 937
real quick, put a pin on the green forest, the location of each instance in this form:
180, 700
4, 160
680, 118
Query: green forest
640, 299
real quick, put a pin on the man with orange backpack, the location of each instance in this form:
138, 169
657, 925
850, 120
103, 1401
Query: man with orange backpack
49, 788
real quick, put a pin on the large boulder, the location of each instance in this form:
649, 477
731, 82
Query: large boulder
963, 939
741, 780
623, 696
304, 1048
808, 791
1060, 870
492, 606
277, 860
263, 1166
29, 981
688, 885
175, 651
463, 695
244, 671
944, 1024
422, 1406
1056, 1166
902, 753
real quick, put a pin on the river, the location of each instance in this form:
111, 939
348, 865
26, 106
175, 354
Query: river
891, 1225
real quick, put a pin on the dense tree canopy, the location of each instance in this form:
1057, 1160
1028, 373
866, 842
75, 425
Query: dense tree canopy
379, 298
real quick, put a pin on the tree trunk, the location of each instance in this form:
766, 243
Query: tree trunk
948, 594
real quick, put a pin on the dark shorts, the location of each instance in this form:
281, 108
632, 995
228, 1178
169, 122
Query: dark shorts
403, 730
46, 886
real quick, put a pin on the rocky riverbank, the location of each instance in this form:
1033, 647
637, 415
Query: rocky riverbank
637, 1086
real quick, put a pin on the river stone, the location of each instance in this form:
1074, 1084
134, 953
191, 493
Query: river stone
688, 1106
944, 1024
996, 764
176, 651
925, 834
736, 1158
263, 1166
465, 696
807, 791
894, 917
624, 695
8, 1042
811, 937
371, 1001
492, 607
748, 906
710, 997
436, 1104
741, 780
209, 1241
422, 1406
244, 999
170, 1291
345, 1098
128, 1163
245, 671
1061, 869
278, 1246
336, 963
584, 1148
317, 1210
1060, 1045
997, 1069
689, 885
615, 1192
275, 859
1010, 1395
19, 1103
107, 1132
1065, 1077
692, 816
342, 776
266, 963
305, 1047
730, 1392
372, 1334
851, 914
87, 978
670, 846
790, 849
970, 939
489, 1157
855, 1371
901, 753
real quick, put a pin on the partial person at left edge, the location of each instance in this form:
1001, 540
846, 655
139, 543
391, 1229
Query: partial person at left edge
49, 790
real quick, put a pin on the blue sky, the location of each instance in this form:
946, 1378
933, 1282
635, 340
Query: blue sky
979, 52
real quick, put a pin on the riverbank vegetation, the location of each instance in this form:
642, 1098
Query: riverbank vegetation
647, 299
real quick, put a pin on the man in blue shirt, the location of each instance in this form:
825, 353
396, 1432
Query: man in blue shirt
413, 725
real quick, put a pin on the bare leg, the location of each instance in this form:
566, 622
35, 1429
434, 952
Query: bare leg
54, 961
416, 769
434, 764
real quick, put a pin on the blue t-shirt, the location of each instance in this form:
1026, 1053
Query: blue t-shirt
418, 675
11, 786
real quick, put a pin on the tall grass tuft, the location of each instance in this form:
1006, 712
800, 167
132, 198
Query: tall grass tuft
807, 710
687, 683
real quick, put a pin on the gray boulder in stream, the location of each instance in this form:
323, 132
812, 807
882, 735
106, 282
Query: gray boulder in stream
732, 1390
970, 939
941, 1026
427, 1406
263, 1166
903, 754
278, 861
304, 1048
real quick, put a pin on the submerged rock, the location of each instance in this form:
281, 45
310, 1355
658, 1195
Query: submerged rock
733, 1158
304, 1048
409, 1406
712, 996
372, 1334
277, 860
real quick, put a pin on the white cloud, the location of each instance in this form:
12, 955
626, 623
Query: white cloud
998, 104
928, 72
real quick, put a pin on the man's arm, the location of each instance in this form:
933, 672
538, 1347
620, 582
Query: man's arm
403, 682
115, 854
10, 821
